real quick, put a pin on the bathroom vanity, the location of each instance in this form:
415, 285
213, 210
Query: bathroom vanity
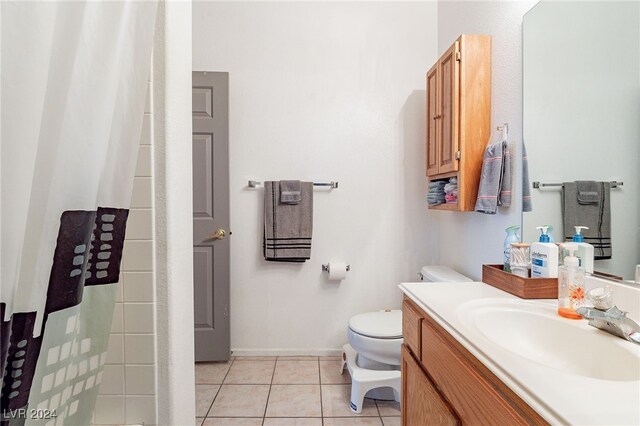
474, 354
445, 384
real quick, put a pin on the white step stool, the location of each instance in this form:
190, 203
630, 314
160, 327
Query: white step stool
363, 380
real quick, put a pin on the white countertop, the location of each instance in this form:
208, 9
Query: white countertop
558, 396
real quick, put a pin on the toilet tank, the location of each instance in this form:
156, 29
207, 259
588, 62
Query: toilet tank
434, 273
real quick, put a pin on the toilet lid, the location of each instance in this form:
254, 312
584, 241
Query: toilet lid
381, 324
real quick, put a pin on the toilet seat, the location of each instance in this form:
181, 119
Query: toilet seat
385, 324
384, 351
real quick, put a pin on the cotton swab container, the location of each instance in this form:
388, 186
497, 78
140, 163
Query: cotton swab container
519, 260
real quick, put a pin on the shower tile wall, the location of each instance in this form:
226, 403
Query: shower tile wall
128, 389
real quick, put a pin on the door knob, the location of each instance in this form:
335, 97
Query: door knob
218, 235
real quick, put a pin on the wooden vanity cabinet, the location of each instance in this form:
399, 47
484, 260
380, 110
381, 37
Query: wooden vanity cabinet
421, 401
444, 384
411, 325
458, 116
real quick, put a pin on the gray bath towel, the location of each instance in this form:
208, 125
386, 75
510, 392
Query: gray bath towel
290, 191
494, 188
504, 199
527, 205
588, 191
287, 227
597, 216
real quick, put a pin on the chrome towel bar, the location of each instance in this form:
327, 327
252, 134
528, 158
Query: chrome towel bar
538, 185
333, 185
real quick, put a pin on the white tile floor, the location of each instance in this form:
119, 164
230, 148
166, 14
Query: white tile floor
282, 391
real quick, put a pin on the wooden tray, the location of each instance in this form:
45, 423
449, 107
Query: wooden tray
525, 288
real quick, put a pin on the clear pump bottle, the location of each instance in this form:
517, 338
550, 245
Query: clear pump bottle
570, 284
585, 250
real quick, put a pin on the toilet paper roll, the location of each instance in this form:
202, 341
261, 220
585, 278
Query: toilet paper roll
337, 271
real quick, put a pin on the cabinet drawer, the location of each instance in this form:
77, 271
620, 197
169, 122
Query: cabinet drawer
411, 320
469, 386
421, 402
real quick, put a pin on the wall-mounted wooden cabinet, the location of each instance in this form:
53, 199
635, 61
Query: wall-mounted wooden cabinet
458, 116
444, 384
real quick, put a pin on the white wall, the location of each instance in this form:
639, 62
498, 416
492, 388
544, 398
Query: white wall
467, 240
173, 216
323, 91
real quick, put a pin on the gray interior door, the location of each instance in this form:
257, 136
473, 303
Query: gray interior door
211, 215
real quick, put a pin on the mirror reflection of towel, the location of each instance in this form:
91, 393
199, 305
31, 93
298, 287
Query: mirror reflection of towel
588, 210
588, 191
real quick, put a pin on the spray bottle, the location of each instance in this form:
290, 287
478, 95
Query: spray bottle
512, 237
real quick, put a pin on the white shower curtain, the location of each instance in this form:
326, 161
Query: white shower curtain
74, 77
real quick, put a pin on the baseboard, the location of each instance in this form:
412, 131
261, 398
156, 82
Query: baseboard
286, 352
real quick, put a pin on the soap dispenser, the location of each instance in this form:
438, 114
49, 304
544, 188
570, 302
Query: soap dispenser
550, 233
585, 250
544, 256
570, 285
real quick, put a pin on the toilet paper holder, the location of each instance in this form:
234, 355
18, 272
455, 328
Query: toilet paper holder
325, 268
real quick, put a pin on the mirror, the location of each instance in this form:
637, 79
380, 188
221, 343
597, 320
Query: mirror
581, 106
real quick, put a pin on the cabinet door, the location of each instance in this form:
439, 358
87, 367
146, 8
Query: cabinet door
477, 395
449, 82
421, 402
432, 121
411, 328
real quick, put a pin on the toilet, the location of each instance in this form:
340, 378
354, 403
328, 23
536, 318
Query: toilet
372, 355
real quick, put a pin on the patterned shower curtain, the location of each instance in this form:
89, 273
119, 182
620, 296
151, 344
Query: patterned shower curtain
74, 78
